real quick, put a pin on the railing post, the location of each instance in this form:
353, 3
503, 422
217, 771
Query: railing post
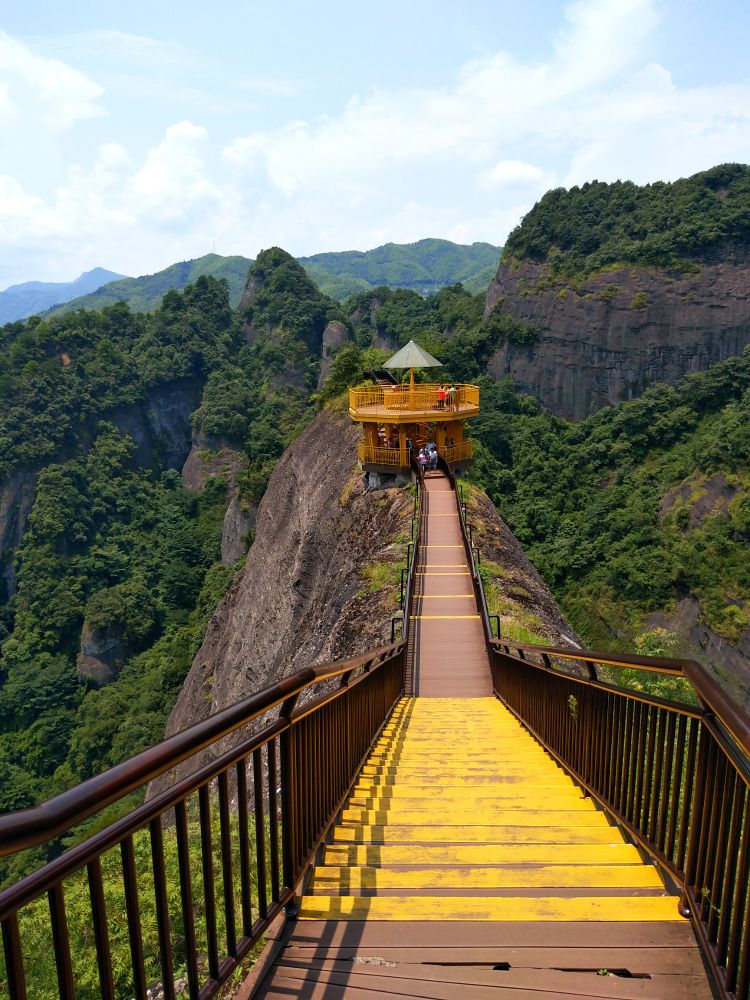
289, 853
700, 790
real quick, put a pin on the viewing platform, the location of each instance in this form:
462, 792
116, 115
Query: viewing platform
375, 455
400, 404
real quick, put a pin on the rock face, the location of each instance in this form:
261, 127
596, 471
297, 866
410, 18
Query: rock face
335, 335
301, 597
17, 495
213, 456
160, 424
522, 597
621, 330
239, 520
102, 654
730, 662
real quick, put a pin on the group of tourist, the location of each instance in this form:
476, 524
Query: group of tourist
447, 397
428, 457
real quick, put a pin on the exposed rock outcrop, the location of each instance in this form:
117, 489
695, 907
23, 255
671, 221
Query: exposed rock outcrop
516, 590
621, 330
17, 495
729, 661
239, 520
160, 424
102, 654
212, 456
302, 596
335, 335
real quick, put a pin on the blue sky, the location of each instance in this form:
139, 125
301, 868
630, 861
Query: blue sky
132, 136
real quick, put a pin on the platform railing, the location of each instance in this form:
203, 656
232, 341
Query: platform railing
370, 455
187, 883
420, 398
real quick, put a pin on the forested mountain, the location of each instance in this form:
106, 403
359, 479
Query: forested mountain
146, 293
425, 266
625, 286
600, 225
32, 297
120, 565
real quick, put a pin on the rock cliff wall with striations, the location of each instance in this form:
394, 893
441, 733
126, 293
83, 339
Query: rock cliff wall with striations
303, 596
609, 337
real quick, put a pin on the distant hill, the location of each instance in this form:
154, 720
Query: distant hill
31, 297
144, 294
425, 266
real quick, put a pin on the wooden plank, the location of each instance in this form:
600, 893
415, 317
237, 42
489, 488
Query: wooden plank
554, 876
589, 983
638, 961
482, 854
489, 908
450, 934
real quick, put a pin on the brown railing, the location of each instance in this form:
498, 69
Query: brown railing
241, 830
379, 456
392, 456
674, 776
371, 400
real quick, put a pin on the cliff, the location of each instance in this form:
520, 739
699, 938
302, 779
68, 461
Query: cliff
513, 588
306, 594
607, 338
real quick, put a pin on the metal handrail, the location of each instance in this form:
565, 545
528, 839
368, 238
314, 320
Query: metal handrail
309, 753
675, 777
26, 828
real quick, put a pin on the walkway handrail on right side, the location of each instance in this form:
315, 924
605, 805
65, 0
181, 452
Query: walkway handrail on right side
674, 776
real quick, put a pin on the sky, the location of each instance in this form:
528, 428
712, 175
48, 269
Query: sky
136, 135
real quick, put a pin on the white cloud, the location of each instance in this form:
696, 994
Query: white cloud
464, 160
507, 173
45, 89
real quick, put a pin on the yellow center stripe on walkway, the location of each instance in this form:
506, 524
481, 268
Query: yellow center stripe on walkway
412, 617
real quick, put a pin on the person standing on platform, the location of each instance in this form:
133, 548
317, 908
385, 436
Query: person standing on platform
453, 396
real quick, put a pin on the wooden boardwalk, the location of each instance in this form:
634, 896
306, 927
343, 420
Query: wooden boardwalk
466, 864
449, 648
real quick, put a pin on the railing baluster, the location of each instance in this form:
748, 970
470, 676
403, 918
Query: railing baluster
273, 821
101, 934
227, 876
161, 900
132, 909
674, 812
260, 834
186, 898
740, 912
243, 820
61, 942
739, 818
14, 959
209, 889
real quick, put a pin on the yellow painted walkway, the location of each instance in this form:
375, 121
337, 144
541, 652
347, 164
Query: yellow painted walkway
460, 815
